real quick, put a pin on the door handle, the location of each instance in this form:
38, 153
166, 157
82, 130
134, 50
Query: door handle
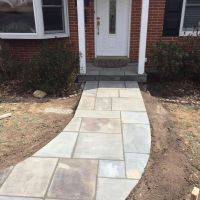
98, 24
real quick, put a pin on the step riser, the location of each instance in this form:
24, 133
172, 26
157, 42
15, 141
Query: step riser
139, 78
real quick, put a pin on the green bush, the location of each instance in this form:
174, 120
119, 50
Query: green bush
10, 66
168, 59
51, 70
191, 46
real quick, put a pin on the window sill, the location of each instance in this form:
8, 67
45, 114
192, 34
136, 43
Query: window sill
188, 33
32, 36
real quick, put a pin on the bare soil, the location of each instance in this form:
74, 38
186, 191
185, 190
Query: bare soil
30, 127
174, 165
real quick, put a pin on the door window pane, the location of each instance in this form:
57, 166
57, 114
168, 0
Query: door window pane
53, 16
112, 17
17, 16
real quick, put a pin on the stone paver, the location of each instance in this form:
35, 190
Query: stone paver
111, 169
61, 147
107, 93
97, 114
128, 104
111, 84
4, 174
134, 93
86, 103
114, 189
135, 164
100, 155
133, 135
99, 146
29, 178
18, 198
100, 125
74, 179
135, 117
74, 125
103, 104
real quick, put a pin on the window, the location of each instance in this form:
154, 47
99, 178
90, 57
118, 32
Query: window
191, 16
17, 16
112, 17
53, 15
33, 19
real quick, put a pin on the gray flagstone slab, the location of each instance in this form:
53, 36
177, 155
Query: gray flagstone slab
60, 147
99, 146
134, 117
135, 164
114, 189
137, 138
29, 178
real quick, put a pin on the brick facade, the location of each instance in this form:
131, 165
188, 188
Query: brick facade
26, 48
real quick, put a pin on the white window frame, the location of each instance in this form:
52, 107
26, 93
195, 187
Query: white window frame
181, 31
39, 25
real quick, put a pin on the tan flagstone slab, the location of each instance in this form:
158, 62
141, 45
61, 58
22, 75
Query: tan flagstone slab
101, 92
134, 93
128, 104
86, 103
29, 178
103, 104
97, 114
74, 179
74, 125
100, 125
114, 189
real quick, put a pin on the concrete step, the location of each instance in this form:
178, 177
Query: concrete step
135, 77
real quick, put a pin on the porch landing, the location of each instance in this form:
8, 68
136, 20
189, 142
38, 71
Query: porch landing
127, 73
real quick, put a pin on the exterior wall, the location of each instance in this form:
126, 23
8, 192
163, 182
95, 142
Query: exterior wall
26, 48
155, 26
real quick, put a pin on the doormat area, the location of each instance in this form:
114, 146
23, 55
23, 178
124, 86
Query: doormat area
111, 63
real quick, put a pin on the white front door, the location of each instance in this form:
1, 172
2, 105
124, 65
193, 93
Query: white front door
112, 27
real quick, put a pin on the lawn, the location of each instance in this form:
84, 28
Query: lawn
34, 122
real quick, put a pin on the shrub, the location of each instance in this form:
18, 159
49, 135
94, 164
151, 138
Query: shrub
168, 59
191, 46
51, 69
10, 66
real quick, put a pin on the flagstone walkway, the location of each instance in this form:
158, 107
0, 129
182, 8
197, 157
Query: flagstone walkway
100, 155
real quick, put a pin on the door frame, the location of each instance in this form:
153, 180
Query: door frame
129, 27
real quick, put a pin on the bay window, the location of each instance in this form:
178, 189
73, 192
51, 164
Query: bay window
190, 17
33, 19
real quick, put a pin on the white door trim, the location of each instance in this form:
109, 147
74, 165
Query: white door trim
129, 29
143, 36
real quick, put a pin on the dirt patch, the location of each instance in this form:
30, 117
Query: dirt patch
174, 165
31, 127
